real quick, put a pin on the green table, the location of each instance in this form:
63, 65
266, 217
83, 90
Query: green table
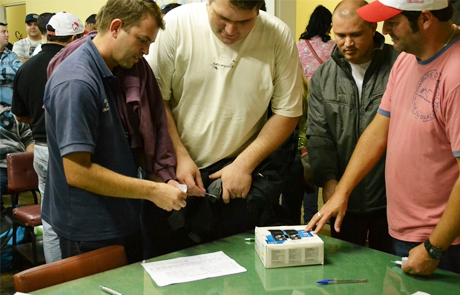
342, 261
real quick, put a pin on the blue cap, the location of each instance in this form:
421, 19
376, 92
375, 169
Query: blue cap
33, 17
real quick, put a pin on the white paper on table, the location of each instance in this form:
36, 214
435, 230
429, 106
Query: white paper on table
192, 268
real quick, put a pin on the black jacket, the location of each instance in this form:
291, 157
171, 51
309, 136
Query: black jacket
337, 118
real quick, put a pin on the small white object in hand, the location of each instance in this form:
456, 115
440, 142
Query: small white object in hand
183, 187
400, 262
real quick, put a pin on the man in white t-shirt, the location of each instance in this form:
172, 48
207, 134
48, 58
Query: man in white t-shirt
221, 66
25, 47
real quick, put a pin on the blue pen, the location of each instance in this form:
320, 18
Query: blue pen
332, 281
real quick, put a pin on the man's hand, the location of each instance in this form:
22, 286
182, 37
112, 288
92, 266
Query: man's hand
173, 183
419, 262
236, 182
80, 172
187, 172
168, 197
335, 207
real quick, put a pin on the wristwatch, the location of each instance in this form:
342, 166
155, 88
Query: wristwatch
434, 252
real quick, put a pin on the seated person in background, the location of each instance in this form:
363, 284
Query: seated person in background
15, 137
220, 65
26, 46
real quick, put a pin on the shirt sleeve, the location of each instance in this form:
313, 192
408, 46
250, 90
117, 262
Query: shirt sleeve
451, 109
385, 104
25, 134
19, 48
287, 93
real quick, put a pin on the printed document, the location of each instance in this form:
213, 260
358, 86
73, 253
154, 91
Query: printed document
192, 268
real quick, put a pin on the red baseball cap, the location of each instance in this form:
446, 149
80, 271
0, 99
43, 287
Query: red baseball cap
381, 10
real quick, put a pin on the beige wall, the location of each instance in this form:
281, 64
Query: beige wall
306, 7
4, 2
81, 8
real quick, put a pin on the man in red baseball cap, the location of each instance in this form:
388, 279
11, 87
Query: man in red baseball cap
418, 126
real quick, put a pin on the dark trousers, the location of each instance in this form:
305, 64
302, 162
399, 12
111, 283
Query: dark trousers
132, 245
450, 261
296, 192
357, 228
203, 220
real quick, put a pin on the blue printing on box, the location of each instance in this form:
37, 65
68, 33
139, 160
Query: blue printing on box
302, 233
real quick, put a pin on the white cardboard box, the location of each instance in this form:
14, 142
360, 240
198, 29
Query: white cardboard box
302, 248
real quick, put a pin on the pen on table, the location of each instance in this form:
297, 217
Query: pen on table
332, 281
110, 291
249, 239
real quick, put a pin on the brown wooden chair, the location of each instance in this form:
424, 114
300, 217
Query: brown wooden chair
69, 269
28, 217
21, 176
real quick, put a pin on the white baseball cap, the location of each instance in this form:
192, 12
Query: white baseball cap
381, 10
64, 24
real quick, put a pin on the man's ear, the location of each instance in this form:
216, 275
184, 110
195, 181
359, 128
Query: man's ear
426, 18
115, 27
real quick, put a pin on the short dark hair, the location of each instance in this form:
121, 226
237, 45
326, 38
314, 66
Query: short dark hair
443, 15
244, 4
3, 24
62, 39
43, 20
263, 6
319, 24
91, 19
168, 7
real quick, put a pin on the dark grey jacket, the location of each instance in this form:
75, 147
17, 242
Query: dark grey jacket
337, 118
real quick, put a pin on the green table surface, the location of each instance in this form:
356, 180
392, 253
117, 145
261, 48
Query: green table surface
342, 260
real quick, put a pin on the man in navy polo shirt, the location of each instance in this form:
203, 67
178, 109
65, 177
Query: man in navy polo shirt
92, 195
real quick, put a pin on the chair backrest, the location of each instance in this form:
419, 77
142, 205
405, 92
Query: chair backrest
69, 269
21, 173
